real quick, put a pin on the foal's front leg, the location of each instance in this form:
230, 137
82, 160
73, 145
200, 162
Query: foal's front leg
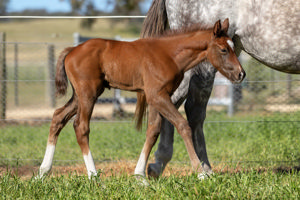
164, 151
165, 107
201, 85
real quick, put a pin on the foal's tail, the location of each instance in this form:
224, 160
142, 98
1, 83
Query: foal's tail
155, 24
61, 80
156, 21
140, 110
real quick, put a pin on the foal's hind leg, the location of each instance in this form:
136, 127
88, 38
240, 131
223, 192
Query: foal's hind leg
154, 123
87, 96
60, 117
164, 151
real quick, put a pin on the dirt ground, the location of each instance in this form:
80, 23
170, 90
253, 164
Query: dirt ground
101, 111
28, 113
127, 167
107, 168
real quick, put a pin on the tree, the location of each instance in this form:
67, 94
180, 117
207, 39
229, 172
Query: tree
77, 6
86, 8
90, 11
127, 6
3, 6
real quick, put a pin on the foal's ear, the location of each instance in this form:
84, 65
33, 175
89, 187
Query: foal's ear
225, 25
217, 28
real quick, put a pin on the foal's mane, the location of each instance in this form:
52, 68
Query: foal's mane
185, 29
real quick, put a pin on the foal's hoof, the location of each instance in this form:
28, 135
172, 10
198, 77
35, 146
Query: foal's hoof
141, 180
98, 181
204, 175
153, 170
39, 178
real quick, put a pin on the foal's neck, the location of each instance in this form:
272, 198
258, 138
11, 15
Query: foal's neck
192, 50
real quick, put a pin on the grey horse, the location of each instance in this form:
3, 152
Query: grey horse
268, 30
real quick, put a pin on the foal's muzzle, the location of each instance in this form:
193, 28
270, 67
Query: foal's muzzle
241, 76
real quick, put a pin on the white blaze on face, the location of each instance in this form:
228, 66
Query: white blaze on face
230, 43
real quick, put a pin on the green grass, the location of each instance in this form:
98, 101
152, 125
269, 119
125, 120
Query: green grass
265, 142
250, 147
263, 138
252, 185
61, 30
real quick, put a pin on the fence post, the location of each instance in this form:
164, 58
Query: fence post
16, 75
230, 110
289, 85
76, 37
117, 110
3, 76
51, 75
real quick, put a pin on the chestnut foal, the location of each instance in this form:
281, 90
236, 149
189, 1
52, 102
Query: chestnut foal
154, 67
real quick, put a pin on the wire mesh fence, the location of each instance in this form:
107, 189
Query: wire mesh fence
266, 98
30, 77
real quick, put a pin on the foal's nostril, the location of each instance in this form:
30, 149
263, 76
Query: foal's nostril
242, 75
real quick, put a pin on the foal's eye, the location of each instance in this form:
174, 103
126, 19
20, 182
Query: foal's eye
224, 50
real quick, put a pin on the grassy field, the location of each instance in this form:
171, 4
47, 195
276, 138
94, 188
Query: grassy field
251, 160
264, 141
252, 185
62, 30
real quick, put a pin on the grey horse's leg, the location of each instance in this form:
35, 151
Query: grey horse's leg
195, 107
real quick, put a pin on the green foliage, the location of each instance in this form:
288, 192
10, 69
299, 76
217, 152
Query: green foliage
127, 6
3, 6
256, 72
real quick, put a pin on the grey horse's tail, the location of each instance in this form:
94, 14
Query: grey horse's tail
154, 25
156, 21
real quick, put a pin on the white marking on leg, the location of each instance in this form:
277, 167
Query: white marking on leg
90, 165
230, 43
141, 165
48, 160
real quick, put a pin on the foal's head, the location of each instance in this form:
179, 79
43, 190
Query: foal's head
221, 55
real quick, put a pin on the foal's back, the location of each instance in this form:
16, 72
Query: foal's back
119, 64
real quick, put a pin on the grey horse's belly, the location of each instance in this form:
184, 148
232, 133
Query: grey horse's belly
281, 60
270, 32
